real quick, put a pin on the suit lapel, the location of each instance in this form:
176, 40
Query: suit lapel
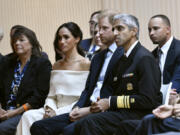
27, 74
116, 56
170, 54
154, 52
87, 44
98, 63
125, 63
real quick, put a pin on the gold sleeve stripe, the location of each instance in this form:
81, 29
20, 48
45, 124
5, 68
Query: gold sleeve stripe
120, 103
128, 105
123, 102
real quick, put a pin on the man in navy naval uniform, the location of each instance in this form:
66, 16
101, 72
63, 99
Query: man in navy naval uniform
169, 62
135, 84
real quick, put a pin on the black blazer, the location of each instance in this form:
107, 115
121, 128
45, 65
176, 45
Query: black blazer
95, 69
34, 85
136, 82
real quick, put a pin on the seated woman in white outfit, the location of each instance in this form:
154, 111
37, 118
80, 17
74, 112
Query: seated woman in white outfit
68, 78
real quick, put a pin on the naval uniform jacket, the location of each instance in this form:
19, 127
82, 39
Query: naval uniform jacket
136, 82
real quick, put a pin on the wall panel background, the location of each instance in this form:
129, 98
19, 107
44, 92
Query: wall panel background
45, 16
144, 10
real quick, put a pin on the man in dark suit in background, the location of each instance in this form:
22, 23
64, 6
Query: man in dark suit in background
136, 83
97, 84
88, 44
168, 49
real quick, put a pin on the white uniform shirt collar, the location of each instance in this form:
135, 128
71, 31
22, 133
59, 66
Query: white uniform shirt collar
131, 48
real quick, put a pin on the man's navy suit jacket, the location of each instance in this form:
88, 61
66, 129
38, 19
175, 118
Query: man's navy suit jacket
85, 44
95, 69
171, 71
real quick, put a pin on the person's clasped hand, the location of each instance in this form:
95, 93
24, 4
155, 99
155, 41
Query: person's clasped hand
78, 113
101, 105
49, 113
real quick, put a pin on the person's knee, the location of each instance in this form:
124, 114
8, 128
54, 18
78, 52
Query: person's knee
36, 129
148, 117
68, 131
83, 121
5, 130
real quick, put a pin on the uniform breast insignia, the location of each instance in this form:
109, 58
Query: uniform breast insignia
18, 105
128, 75
115, 78
129, 86
132, 100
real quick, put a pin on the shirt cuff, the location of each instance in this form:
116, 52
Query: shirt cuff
109, 101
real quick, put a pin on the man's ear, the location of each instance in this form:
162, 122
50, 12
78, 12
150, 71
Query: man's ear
134, 31
168, 29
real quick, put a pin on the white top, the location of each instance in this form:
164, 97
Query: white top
66, 87
96, 92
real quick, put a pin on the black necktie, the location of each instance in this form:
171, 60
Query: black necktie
159, 53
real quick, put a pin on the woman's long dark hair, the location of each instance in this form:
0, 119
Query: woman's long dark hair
75, 31
18, 30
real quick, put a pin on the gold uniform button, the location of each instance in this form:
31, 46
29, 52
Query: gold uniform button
18, 105
132, 100
129, 86
115, 78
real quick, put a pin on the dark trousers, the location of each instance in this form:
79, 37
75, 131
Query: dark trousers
104, 123
53, 126
127, 127
151, 125
8, 127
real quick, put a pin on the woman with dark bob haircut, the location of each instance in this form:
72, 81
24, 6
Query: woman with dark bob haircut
25, 79
68, 78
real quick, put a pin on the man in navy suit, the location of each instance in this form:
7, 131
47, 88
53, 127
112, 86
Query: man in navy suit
169, 59
135, 83
169, 63
97, 84
88, 44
